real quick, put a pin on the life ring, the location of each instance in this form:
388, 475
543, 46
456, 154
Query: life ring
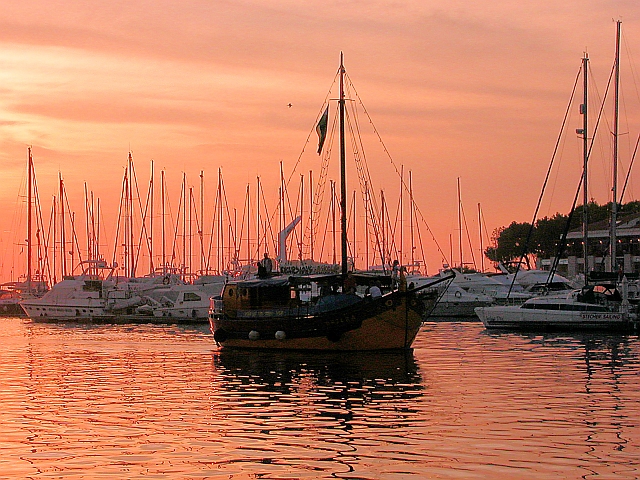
389, 303
165, 280
458, 294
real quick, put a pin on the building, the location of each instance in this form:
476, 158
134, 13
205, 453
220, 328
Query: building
627, 250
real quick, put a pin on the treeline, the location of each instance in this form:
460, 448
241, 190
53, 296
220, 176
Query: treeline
509, 243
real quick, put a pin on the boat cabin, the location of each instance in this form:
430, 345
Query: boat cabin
284, 294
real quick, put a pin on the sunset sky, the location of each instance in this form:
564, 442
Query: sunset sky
469, 90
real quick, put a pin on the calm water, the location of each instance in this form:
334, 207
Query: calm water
163, 402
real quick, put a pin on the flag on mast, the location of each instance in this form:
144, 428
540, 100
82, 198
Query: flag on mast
321, 129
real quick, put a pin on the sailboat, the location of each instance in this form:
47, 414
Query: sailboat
322, 311
599, 307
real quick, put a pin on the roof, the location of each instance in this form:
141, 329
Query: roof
627, 226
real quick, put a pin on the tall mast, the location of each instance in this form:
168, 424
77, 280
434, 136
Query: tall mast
258, 217
310, 214
343, 175
300, 242
460, 225
585, 153
248, 225
151, 188
190, 219
411, 213
401, 214
220, 251
333, 219
132, 267
614, 190
201, 226
54, 212
480, 232
63, 243
184, 225
164, 242
29, 232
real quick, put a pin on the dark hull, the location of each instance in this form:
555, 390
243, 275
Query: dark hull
387, 323
11, 310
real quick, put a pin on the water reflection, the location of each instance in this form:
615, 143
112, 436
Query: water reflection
163, 401
322, 407
595, 394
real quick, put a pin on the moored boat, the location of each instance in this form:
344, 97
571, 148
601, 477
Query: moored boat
453, 301
184, 302
322, 312
10, 303
319, 313
594, 307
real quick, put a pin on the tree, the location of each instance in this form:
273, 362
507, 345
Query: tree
547, 235
509, 243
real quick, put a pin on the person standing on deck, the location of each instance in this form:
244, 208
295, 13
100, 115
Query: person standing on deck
350, 284
267, 264
395, 274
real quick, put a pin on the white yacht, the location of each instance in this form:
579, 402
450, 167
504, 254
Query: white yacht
93, 297
594, 307
80, 297
498, 287
183, 302
454, 301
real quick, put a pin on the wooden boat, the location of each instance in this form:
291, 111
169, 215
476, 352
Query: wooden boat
314, 313
322, 312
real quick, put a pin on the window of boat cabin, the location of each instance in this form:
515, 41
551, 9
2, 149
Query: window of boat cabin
266, 296
191, 297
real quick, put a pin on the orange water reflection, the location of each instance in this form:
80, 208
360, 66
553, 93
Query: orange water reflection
163, 401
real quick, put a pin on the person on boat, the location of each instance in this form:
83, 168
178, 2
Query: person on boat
267, 264
350, 284
375, 291
395, 273
402, 282
261, 271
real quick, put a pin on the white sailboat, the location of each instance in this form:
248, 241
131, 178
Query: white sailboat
593, 307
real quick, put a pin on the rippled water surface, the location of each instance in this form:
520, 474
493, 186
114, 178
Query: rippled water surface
158, 401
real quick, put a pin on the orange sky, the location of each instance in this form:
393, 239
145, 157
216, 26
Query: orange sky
471, 90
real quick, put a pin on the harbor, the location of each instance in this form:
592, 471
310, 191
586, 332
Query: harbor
350, 240
161, 401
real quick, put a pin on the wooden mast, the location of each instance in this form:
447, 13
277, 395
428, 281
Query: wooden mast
343, 174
